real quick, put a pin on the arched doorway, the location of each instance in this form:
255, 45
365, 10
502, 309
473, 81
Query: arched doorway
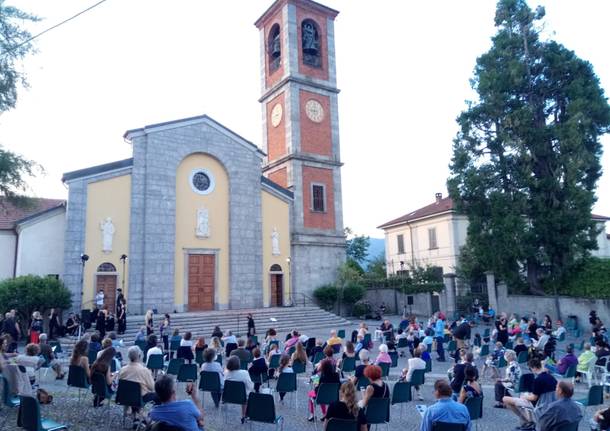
106, 280
277, 286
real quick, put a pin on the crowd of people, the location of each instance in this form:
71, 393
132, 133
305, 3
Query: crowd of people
545, 404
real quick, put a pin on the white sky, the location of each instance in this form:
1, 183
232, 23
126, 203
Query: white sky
403, 68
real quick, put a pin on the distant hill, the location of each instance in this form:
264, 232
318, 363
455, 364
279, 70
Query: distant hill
376, 247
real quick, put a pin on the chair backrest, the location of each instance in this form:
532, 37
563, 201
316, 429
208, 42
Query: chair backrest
234, 392
522, 357
348, 365
475, 407
385, 369
174, 366
261, 408
526, 382
570, 372
401, 393
129, 394
274, 361
199, 357
142, 345
327, 393
341, 333
286, 382
428, 365
162, 426
572, 426
174, 345
452, 346
335, 424
362, 382
484, 350
319, 356
155, 362
418, 377
98, 385
402, 343
447, 426
209, 381
298, 367
254, 339
77, 377
29, 413
367, 339
185, 352
501, 362
187, 372
92, 356
377, 411
595, 396
219, 359
229, 348
394, 357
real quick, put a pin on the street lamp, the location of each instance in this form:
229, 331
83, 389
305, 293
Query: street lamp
123, 258
83, 258
290, 281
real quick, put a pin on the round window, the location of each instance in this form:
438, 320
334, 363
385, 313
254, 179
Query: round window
202, 181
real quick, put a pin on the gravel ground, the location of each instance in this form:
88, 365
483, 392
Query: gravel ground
82, 416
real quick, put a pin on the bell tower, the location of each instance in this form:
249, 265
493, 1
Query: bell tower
301, 133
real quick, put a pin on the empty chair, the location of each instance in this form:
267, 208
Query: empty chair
187, 373
261, 408
29, 416
174, 366
595, 396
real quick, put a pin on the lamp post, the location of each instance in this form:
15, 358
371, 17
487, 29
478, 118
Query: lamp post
123, 258
83, 258
290, 282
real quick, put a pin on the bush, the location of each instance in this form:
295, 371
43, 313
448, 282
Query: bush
326, 296
591, 279
30, 293
361, 309
352, 293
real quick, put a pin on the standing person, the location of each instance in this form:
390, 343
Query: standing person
164, 330
121, 316
462, 334
148, 321
54, 324
100, 322
439, 336
445, 409
99, 299
251, 327
119, 298
35, 327
10, 327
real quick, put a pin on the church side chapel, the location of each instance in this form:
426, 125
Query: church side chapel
200, 218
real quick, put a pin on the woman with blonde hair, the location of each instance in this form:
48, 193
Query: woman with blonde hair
299, 354
148, 320
346, 407
215, 344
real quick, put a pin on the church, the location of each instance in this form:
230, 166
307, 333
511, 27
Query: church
200, 218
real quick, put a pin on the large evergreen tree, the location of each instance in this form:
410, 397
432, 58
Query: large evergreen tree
526, 159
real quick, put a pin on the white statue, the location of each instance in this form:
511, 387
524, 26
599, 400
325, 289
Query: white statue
203, 223
108, 231
275, 242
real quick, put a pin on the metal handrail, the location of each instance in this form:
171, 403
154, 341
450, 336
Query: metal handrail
302, 298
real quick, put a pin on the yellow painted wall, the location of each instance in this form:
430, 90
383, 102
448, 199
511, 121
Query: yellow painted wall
107, 198
187, 204
276, 213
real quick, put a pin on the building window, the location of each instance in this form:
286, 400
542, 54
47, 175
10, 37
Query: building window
106, 267
400, 240
432, 238
275, 48
318, 198
310, 43
202, 181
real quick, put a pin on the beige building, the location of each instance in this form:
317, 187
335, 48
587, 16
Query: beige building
434, 234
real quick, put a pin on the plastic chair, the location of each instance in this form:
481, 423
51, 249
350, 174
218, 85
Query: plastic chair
261, 408
128, 394
92, 356
385, 369
595, 397
522, 357
298, 367
428, 366
274, 361
199, 357
327, 393
234, 393
229, 348
362, 382
209, 381
502, 362
8, 399
155, 362
77, 378
402, 343
319, 356
143, 345
446, 426
377, 412
526, 383
29, 416
394, 357
335, 424
174, 345
100, 389
174, 366
341, 333
348, 365
187, 372
475, 408
219, 359
287, 382
452, 346
401, 394
484, 351
186, 353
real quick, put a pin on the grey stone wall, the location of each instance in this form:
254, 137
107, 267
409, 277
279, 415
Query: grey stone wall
157, 154
395, 301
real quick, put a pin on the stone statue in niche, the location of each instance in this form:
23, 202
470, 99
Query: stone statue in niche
108, 230
203, 223
275, 242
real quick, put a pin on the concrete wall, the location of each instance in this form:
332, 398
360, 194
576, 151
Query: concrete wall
526, 304
41, 244
395, 301
7, 251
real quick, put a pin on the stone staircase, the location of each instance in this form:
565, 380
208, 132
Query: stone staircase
308, 320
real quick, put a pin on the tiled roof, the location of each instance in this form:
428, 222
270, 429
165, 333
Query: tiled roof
11, 214
441, 206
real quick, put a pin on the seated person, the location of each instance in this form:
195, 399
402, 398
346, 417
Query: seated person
135, 371
520, 346
72, 325
141, 335
46, 351
346, 407
543, 338
210, 364
504, 386
560, 329
258, 368
585, 358
543, 391
602, 352
364, 357
414, 363
31, 361
184, 414
470, 388
333, 339
562, 412
564, 363
445, 409
235, 373
229, 338
241, 352
601, 419
383, 356
153, 347
387, 329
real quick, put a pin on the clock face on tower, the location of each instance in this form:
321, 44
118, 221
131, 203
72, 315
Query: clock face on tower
276, 115
314, 111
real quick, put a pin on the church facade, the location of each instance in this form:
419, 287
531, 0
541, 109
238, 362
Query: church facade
201, 218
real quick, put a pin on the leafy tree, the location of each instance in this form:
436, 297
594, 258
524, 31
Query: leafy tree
526, 159
13, 172
357, 246
326, 295
377, 267
30, 293
14, 46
